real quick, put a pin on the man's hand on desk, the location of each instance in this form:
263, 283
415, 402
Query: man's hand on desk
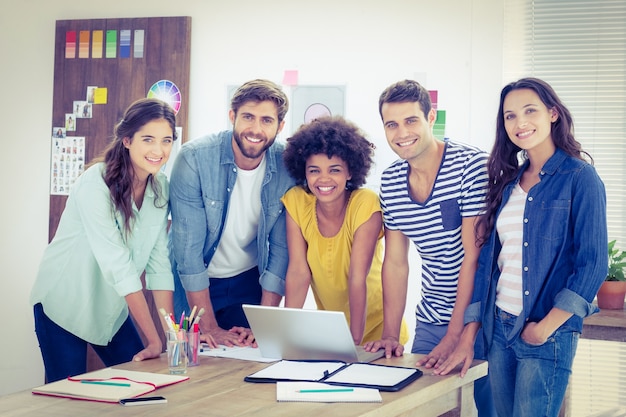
390, 344
237, 336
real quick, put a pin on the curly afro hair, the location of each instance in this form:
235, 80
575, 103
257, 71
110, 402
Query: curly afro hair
332, 136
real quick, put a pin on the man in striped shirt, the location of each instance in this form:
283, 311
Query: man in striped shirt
431, 196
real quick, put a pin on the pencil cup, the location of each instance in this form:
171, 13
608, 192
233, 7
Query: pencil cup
193, 347
177, 351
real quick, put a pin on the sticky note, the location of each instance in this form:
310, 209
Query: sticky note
100, 95
290, 77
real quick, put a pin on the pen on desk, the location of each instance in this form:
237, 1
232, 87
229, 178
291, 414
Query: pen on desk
326, 390
206, 346
116, 384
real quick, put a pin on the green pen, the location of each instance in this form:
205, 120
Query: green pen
116, 384
326, 390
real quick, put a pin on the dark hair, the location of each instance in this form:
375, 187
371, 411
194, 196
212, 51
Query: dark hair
331, 136
505, 158
118, 174
258, 91
403, 92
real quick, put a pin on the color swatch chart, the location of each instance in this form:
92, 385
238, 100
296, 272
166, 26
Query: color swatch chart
104, 44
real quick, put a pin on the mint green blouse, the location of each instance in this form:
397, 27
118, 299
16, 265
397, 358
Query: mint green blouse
91, 265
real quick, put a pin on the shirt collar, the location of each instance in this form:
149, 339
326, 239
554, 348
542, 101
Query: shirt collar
552, 164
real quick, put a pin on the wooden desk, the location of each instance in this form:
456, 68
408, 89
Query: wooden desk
217, 388
606, 325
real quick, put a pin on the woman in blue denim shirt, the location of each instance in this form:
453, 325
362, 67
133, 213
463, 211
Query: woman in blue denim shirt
544, 253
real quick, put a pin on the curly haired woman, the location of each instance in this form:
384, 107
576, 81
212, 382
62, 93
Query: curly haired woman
334, 227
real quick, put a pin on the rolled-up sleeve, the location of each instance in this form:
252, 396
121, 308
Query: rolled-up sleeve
589, 225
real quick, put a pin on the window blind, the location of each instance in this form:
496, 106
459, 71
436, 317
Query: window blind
579, 47
597, 384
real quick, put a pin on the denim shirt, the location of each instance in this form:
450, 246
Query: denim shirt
564, 248
201, 183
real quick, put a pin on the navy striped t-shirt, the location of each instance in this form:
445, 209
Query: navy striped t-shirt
434, 226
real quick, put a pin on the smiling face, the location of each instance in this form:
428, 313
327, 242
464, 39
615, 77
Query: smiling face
255, 127
327, 177
150, 147
528, 122
408, 130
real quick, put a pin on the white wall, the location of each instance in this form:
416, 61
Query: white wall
453, 46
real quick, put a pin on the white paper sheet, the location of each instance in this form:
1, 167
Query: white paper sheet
294, 370
292, 391
245, 353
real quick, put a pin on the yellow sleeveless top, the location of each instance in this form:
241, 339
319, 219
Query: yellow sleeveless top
329, 257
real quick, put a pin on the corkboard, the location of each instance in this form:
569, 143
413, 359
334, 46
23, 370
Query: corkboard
127, 57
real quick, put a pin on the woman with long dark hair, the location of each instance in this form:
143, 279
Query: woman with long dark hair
544, 253
112, 230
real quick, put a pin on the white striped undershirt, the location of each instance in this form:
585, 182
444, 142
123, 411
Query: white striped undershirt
510, 231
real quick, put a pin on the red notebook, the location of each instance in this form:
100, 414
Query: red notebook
108, 385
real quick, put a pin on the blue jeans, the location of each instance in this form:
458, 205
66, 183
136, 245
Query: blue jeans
65, 354
227, 297
527, 380
427, 336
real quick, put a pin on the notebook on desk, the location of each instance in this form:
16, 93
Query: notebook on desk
300, 334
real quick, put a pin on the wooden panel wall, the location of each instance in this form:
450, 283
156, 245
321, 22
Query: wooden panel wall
166, 56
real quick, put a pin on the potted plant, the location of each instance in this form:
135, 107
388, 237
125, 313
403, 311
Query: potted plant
613, 290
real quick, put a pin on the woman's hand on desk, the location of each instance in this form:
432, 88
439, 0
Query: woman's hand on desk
391, 345
153, 350
237, 336
463, 354
440, 353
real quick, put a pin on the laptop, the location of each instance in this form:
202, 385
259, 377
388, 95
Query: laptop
301, 334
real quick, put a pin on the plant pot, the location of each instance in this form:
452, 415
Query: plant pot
611, 295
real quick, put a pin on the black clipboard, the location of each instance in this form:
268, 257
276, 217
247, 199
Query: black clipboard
363, 375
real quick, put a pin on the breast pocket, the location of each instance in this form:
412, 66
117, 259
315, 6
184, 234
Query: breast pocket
214, 214
450, 214
552, 223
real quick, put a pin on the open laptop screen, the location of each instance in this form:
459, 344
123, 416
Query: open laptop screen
301, 334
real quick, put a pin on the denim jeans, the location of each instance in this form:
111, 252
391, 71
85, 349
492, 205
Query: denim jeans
65, 354
427, 336
227, 297
528, 380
